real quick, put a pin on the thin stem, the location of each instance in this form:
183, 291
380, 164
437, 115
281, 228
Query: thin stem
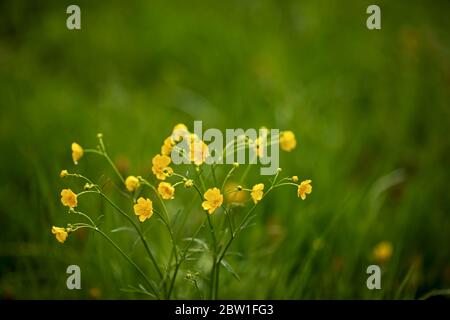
230, 172
213, 270
228, 218
86, 216
285, 184
239, 228
213, 172
183, 256
136, 227
93, 151
199, 175
126, 257
114, 167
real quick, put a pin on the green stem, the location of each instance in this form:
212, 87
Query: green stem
86, 216
167, 223
213, 270
136, 227
230, 172
183, 256
213, 172
127, 258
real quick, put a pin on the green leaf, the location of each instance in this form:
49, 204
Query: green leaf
230, 269
120, 229
198, 241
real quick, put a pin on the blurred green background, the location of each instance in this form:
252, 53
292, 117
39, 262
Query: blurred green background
370, 110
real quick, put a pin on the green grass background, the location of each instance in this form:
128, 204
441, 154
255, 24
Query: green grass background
370, 110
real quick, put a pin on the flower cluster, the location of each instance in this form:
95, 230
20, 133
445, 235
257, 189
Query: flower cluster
214, 196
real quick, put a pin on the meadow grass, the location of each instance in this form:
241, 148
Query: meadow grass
370, 110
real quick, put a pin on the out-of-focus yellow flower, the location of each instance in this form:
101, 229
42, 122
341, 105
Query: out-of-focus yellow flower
294, 178
166, 190
198, 150
287, 141
64, 173
69, 198
95, 293
143, 208
188, 183
382, 251
60, 233
179, 131
259, 146
257, 192
304, 188
132, 183
167, 147
77, 152
160, 166
234, 193
213, 200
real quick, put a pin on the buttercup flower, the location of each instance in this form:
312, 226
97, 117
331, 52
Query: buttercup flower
167, 147
304, 188
198, 150
143, 208
132, 183
69, 198
382, 251
259, 146
179, 131
257, 192
77, 152
63, 173
287, 141
161, 167
294, 178
60, 233
166, 190
213, 200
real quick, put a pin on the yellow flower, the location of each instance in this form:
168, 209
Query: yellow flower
160, 166
382, 251
60, 233
69, 198
95, 293
166, 190
167, 147
304, 188
188, 183
257, 192
234, 193
294, 178
213, 200
259, 146
143, 208
198, 150
287, 141
132, 183
64, 173
77, 152
179, 131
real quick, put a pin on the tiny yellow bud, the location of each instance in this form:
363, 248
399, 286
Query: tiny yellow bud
132, 183
88, 186
188, 183
64, 173
295, 178
236, 164
279, 170
239, 188
99, 135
